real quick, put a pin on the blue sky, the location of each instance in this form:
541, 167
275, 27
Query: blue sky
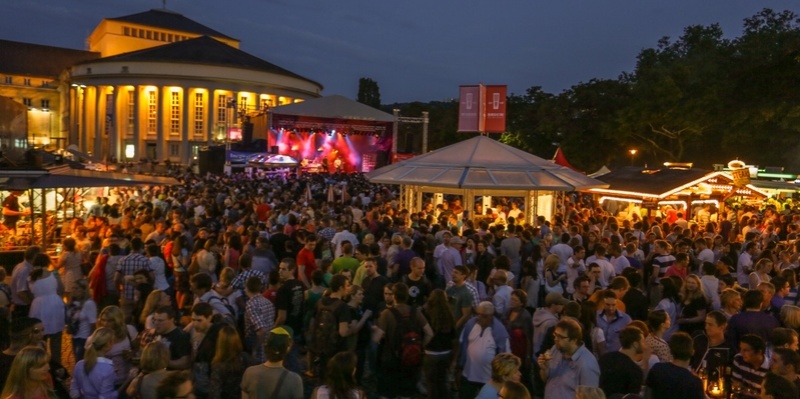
415, 50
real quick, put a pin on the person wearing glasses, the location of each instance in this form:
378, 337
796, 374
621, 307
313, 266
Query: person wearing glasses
568, 364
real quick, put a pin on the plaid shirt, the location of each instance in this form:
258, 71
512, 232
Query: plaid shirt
241, 279
327, 233
127, 267
259, 313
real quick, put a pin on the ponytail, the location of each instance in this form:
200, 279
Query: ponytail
102, 337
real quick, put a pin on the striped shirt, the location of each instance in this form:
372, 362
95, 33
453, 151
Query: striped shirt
747, 375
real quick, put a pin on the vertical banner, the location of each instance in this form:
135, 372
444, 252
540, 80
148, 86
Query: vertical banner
494, 109
469, 104
109, 113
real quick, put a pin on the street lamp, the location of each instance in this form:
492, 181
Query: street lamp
633, 152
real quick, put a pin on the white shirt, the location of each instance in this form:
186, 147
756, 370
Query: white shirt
706, 255
157, 266
481, 349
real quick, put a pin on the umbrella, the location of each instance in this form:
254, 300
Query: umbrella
344, 193
330, 194
308, 193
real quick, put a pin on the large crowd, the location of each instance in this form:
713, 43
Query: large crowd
266, 287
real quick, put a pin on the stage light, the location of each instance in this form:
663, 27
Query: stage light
333, 131
330, 134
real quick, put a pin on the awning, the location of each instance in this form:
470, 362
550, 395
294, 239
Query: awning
66, 177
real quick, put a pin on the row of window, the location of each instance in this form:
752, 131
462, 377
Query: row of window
29, 102
9, 80
152, 35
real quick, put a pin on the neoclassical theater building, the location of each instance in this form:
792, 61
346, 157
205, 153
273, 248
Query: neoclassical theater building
157, 86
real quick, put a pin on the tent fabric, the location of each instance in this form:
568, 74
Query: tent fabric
604, 170
66, 177
334, 107
483, 163
560, 159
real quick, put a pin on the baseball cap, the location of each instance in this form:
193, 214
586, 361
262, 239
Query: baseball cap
555, 298
279, 339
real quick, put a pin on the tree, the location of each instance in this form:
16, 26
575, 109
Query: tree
675, 93
369, 93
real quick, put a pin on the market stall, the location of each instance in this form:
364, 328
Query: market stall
640, 190
54, 195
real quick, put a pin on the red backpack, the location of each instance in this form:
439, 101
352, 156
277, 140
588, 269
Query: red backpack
408, 341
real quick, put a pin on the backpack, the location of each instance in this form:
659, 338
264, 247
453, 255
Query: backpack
73, 318
229, 318
408, 339
325, 330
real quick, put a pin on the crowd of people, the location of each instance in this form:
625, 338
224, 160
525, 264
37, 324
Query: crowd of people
259, 287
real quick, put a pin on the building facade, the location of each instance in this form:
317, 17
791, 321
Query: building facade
160, 86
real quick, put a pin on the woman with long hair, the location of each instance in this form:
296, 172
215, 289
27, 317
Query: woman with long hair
695, 305
29, 376
552, 278
340, 382
152, 369
359, 339
228, 365
112, 318
658, 321
155, 300
760, 272
439, 351
69, 264
529, 282
47, 305
83, 310
520, 330
670, 303
93, 377
232, 252
181, 259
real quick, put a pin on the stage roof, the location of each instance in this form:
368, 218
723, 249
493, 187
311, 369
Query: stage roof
334, 107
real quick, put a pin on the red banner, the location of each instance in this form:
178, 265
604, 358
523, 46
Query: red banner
469, 104
494, 109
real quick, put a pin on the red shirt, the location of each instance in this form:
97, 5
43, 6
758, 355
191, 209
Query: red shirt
307, 259
674, 271
271, 294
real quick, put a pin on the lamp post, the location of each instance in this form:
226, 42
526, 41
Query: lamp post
633, 152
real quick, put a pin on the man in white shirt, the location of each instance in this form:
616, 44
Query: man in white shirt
745, 265
704, 254
607, 271
563, 251
341, 236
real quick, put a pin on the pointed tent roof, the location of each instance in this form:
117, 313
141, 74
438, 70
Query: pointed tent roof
483, 163
560, 159
334, 107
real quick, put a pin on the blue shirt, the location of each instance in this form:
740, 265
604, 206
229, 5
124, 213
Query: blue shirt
611, 328
566, 374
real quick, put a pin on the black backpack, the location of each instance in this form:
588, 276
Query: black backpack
408, 339
325, 337
229, 318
